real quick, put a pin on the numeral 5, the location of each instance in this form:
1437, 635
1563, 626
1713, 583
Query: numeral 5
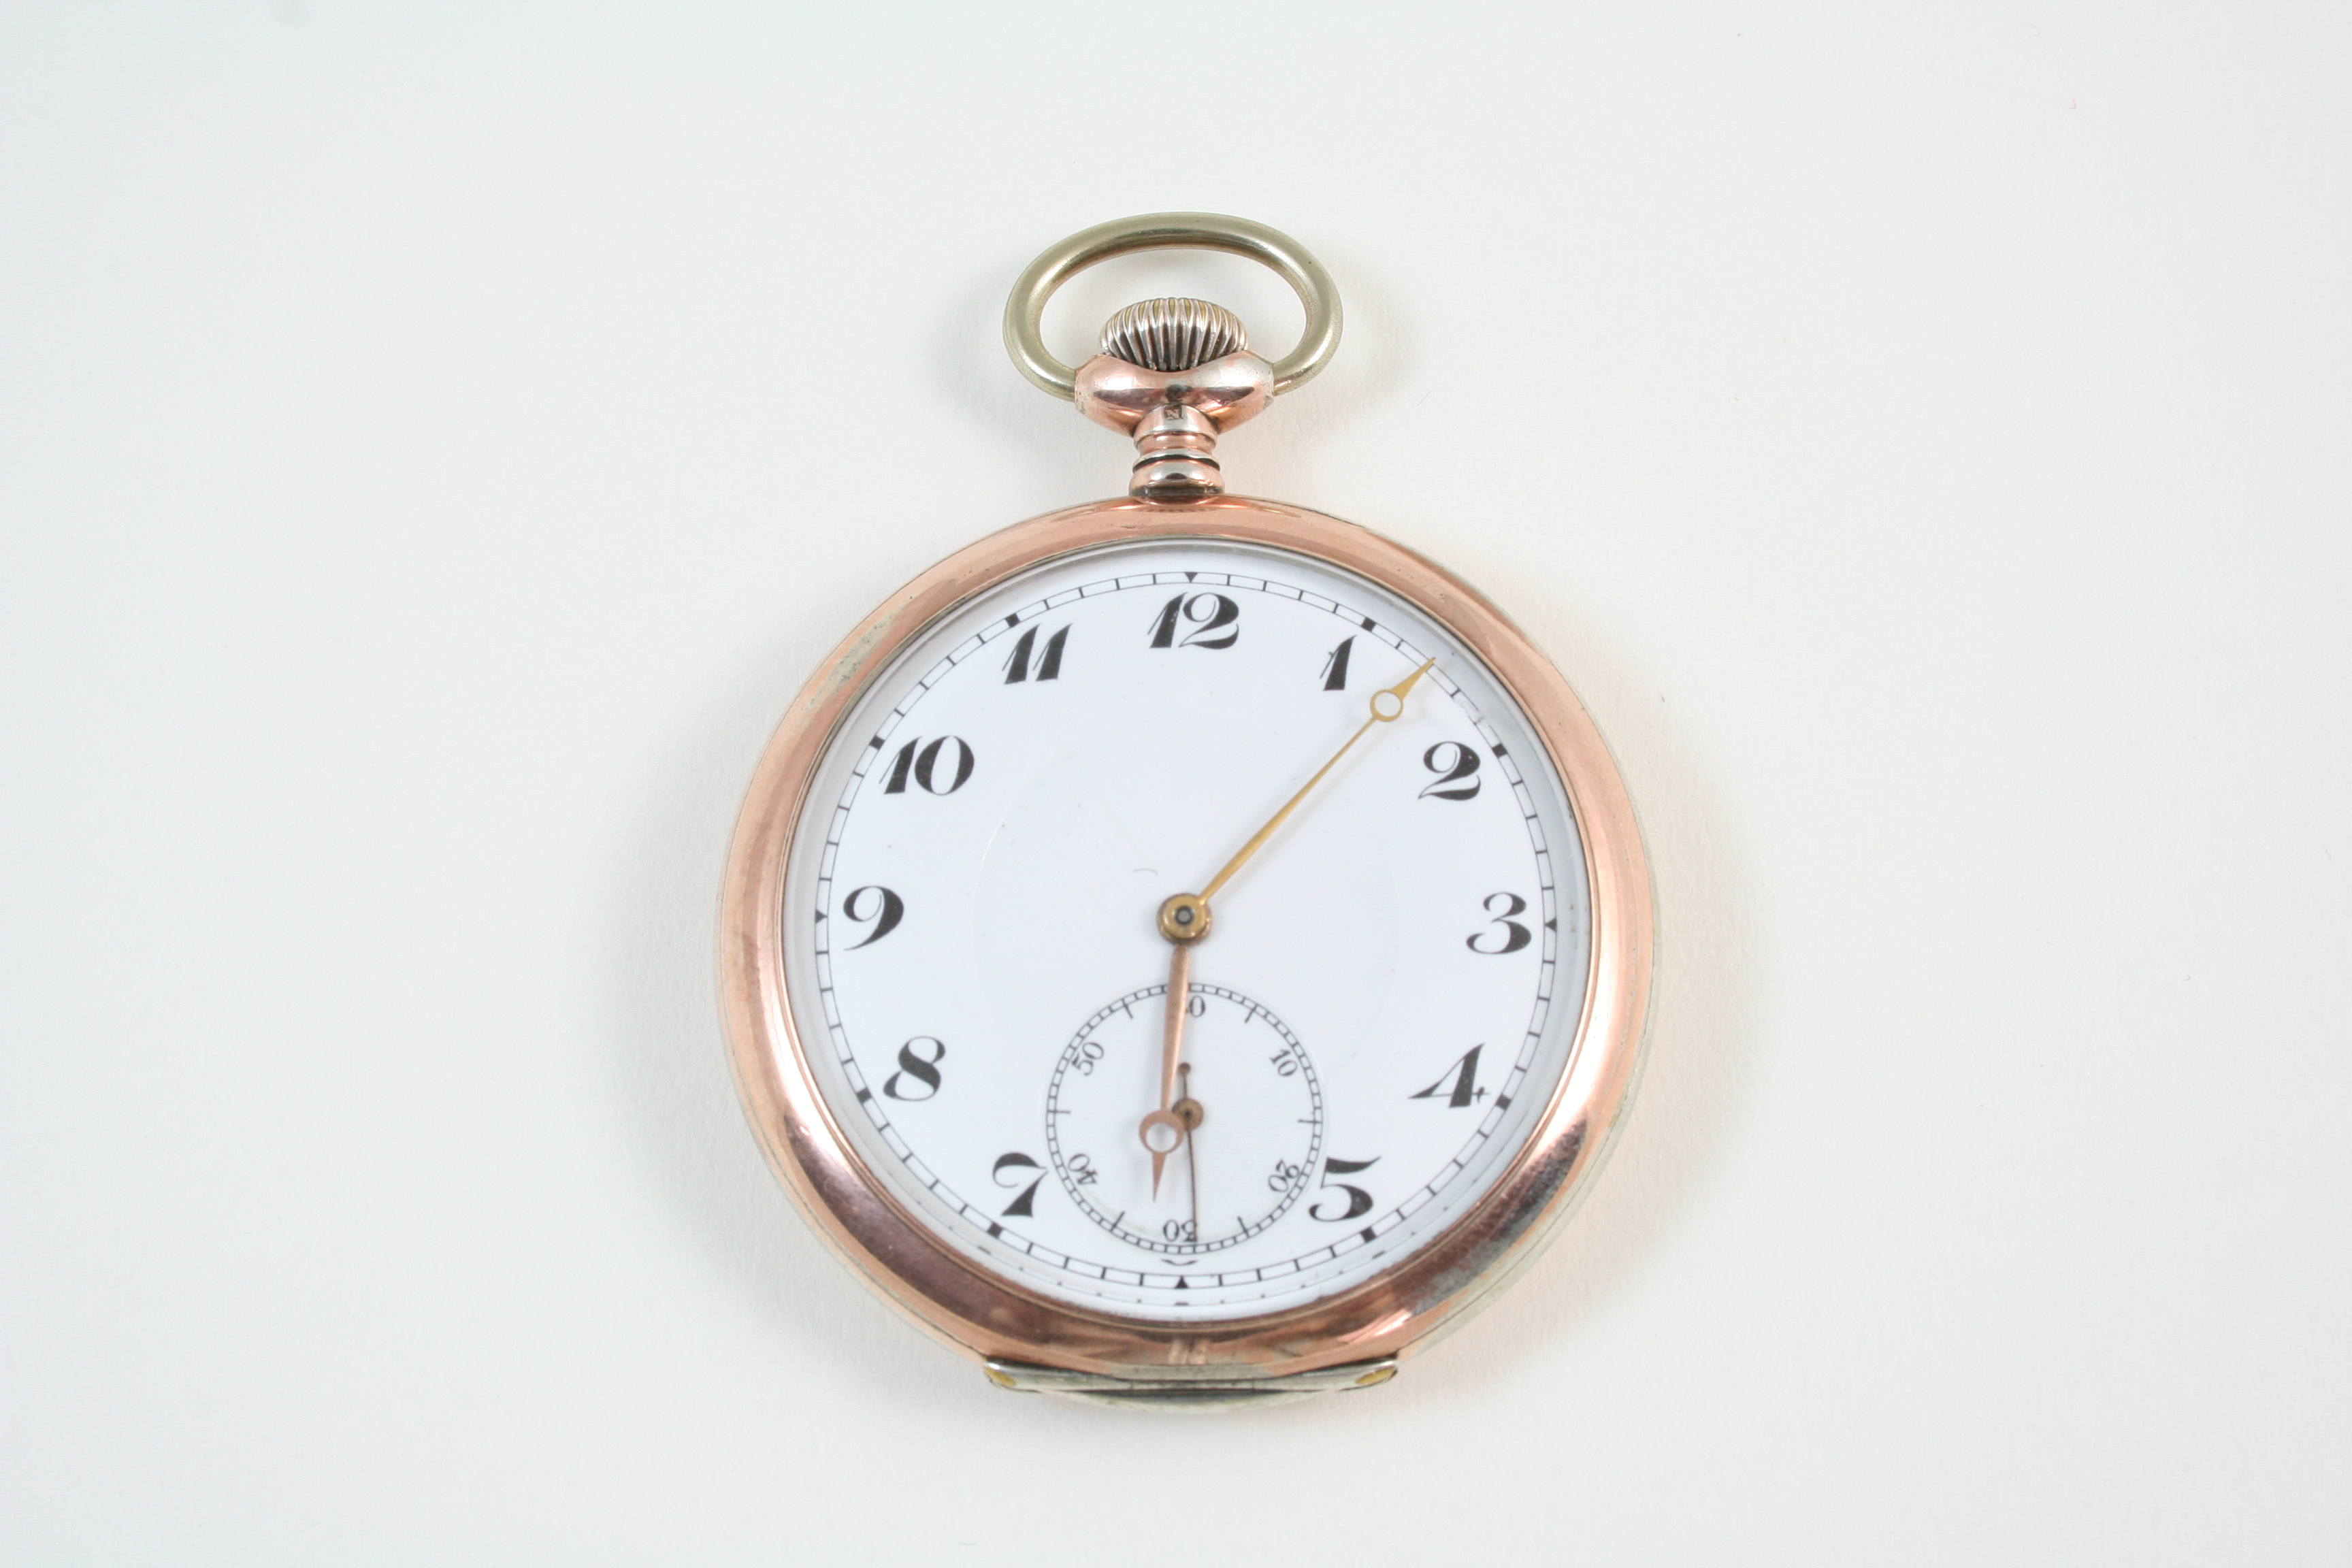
1359, 1202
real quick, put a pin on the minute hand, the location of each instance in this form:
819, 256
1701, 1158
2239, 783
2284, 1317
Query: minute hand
1184, 920
1394, 710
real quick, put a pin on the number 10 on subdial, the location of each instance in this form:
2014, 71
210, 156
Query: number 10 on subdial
1258, 1135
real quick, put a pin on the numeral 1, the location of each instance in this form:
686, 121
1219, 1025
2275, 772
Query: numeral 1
1335, 667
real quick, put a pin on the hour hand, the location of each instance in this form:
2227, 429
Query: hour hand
1162, 1130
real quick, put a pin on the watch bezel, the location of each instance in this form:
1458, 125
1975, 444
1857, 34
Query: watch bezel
988, 1317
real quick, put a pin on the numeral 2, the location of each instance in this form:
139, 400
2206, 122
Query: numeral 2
1207, 613
1453, 761
1049, 663
924, 764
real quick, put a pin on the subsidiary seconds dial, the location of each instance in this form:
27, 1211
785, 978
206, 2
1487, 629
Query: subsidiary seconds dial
1251, 1113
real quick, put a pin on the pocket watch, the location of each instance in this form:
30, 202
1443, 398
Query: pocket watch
1185, 951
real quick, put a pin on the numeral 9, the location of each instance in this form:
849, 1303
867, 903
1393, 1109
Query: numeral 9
885, 909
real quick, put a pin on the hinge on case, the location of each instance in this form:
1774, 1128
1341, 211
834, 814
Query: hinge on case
1177, 1390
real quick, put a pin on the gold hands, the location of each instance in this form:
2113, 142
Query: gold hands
1184, 920
1163, 1129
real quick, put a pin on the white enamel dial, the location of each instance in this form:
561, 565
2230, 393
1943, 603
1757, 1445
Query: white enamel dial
1384, 1005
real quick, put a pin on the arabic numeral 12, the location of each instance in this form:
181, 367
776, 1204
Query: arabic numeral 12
1207, 615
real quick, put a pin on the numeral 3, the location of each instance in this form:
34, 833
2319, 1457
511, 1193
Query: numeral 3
1512, 937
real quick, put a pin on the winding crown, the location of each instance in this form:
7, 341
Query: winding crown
1173, 334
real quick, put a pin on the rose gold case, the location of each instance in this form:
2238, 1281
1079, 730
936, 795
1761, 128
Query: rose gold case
990, 1318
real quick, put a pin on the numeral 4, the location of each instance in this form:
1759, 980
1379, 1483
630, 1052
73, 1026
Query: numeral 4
1458, 1083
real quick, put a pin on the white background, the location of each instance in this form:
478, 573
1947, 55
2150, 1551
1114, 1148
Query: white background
439, 440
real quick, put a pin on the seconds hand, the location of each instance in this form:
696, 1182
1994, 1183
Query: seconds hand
1189, 1113
1184, 920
